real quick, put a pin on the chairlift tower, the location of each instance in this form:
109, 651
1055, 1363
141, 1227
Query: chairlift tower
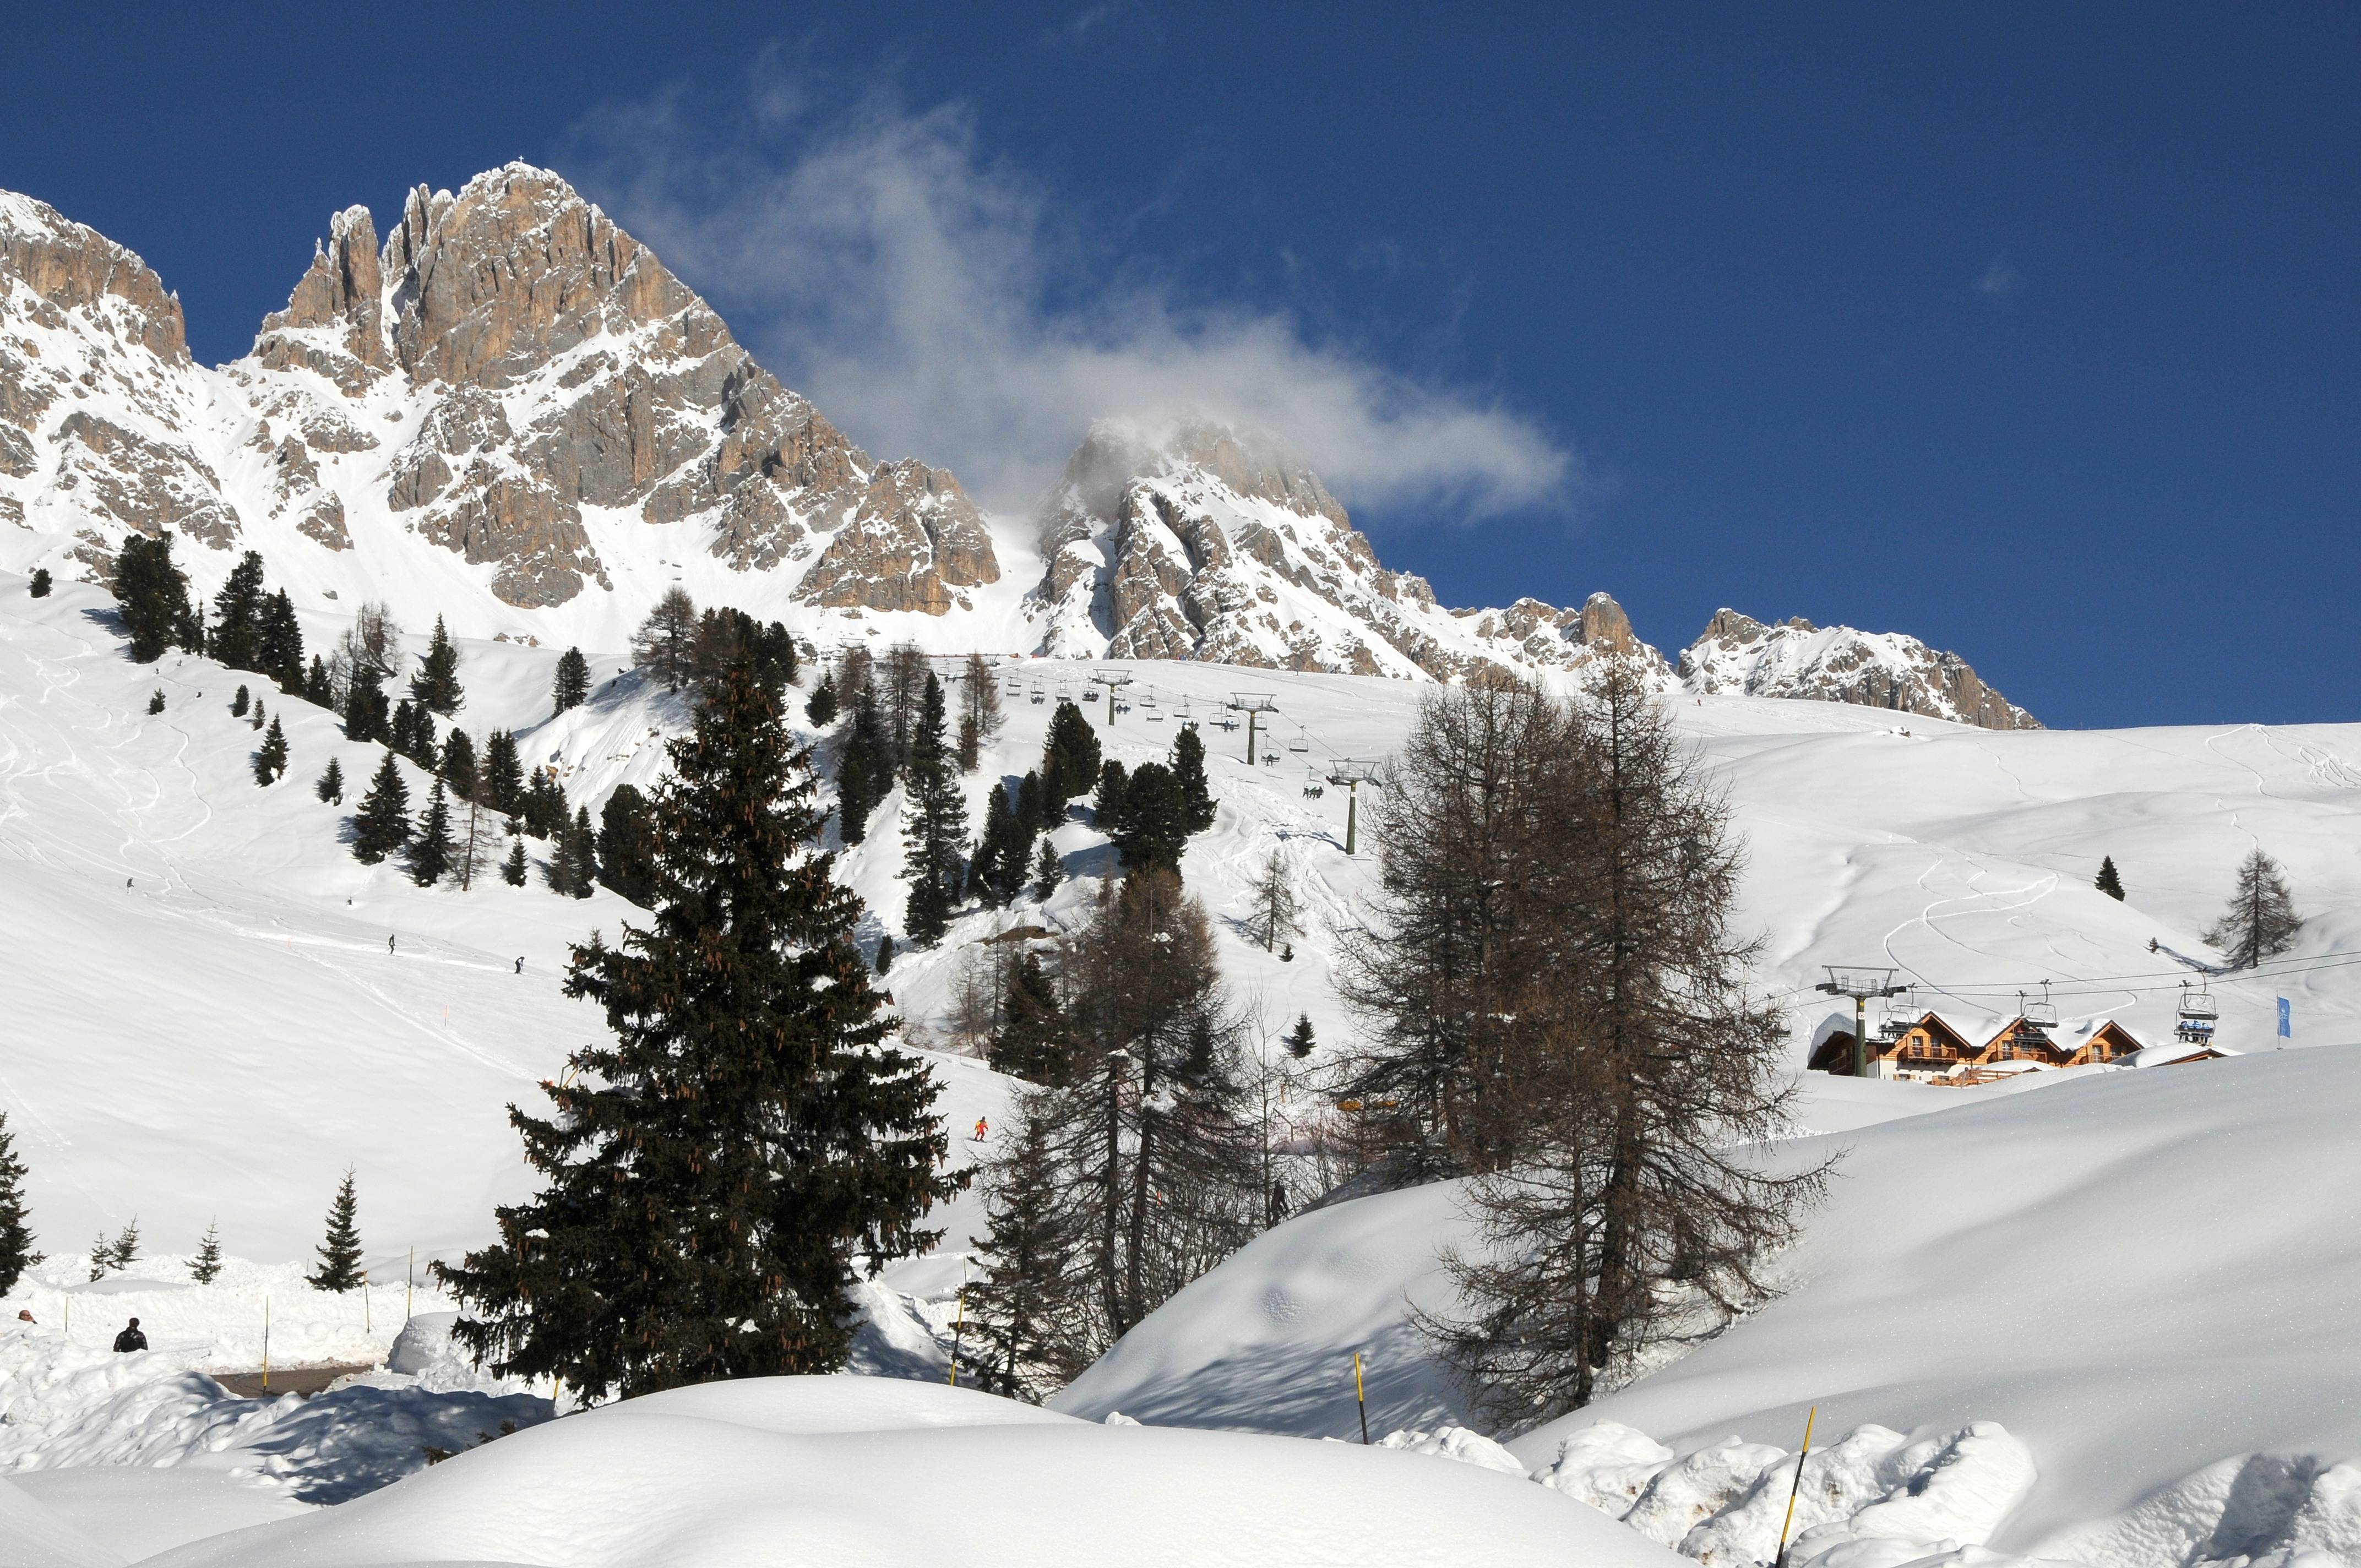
1114, 681
1860, 985
1351, 773
1252, 704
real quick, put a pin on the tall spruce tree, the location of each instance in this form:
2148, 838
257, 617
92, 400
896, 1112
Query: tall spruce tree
1031, 1309
367, 716
513, 870
126, 1248
571, 687
435, 687
381, 825
430, 850
1069, 760
271, 761
331, 787
340, 1251
627, 846
1032, 1041
717, 1172
2110, 882
39, 586
1188, 773
864, 769
1153, 828
998, 872
279, 644
16, 1254
1273, 915
820, 706
319, 686
1048, 870
503, 775
206, 1267
458, 766
236, 636
2261, 922
666, 643
240, 703
934, 829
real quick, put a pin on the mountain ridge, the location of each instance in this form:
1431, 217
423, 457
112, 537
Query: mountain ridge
510, 414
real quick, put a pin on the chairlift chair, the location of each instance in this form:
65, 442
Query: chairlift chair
1313, 788
2040, 1014
2198, 1013
1091, 695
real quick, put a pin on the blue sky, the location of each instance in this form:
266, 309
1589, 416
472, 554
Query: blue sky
2033, 331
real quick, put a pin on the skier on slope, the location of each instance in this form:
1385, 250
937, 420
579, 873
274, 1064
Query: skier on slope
130, 1339
388, 942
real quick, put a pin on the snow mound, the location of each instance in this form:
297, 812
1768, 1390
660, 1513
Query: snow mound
852, 1469
1455, 1442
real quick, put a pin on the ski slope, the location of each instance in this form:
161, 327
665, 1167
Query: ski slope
2137, 1273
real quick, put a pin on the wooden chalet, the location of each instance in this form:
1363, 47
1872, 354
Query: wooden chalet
2021, 1040
1927, 1049
2110, 1042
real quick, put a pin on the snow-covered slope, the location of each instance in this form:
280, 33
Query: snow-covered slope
512, 415
810, 1470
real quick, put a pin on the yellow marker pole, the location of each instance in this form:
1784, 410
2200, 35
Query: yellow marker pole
1781, 1561
367, 1325
266, 1344
958, 1329
1360, 1396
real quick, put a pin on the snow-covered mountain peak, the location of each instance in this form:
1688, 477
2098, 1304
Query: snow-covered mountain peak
1738, 655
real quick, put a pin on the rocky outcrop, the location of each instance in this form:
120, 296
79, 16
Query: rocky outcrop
1737, 654
72, 268
1205, 543
333, 325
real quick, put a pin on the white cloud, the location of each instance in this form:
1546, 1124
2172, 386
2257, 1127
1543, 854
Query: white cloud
2000, 280
937, 304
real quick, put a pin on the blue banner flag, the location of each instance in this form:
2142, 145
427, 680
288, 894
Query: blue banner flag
2287, 1030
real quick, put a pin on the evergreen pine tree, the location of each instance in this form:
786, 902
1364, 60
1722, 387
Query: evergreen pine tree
365, 714
1070, 762
1031, 1041
331, 787
627, 846
582, 850
1029, 1308
503, 775
935, 826
255, 720
430, 849
381, 825
270, 762
2261, 922
1188, 770
459, 763
980, 717
1153, 827
236, 633
16, 1254
1112, 794
240, 703
2111, 882
279, 644
820, 706
435, 687
207, 1266
102, 1257
717, 1171
319, 686
1299, 1040
340, 1253
990, 877
156, 703
513, 870
571, 687
666, 643
885, 954
864, 769
1048, 870
126, 1248
544, 807
40, 590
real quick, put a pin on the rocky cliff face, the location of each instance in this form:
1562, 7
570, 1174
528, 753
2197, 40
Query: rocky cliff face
1737, 654
512, 415
512, 381
1205, 543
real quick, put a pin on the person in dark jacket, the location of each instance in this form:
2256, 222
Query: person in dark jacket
131, 1339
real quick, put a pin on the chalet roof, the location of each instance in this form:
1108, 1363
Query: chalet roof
1972, 1035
